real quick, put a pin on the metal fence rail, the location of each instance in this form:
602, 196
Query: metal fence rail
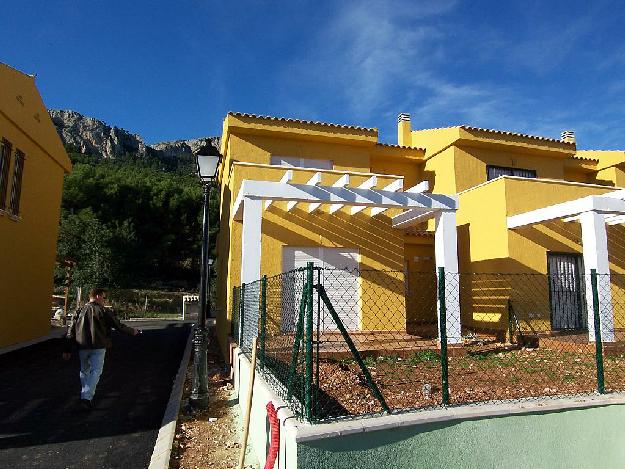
337, 343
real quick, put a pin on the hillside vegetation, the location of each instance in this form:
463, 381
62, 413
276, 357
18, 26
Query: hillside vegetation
133, 222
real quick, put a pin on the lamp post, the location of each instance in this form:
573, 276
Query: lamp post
209, 308
207, 171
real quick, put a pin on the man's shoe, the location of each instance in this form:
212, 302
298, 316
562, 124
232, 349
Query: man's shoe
86, 404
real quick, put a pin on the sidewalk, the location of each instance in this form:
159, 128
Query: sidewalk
42, 424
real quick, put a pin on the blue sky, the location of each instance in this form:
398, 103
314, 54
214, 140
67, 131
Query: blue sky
172, 69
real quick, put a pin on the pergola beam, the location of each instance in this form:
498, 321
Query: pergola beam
248, 208
412, 217
395, 186
615, 219
368, 184
591, 203
286, 178
266, 190
343, 181
315, 180
337, 207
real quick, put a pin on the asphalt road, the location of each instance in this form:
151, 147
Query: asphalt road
42, 424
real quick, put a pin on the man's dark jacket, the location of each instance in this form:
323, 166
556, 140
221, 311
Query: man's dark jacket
91, 327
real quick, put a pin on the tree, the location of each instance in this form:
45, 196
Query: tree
83, 238
140, 218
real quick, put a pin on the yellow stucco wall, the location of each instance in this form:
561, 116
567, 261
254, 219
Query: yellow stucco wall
471, 163
439, 172
434, 140
28, 242
455, 160
380, 248
486, 247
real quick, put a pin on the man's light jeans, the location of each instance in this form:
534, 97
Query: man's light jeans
91, 363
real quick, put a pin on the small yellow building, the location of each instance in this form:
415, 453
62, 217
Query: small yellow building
483, 204
32, 165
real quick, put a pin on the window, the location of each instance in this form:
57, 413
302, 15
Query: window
16, 186
5, 161
294, 162
493, 172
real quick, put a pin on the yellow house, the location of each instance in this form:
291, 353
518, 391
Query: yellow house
485, 205
32, 165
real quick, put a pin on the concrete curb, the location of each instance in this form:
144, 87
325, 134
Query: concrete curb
55, 333
306, 432
165, 439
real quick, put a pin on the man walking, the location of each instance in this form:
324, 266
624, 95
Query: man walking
91, 330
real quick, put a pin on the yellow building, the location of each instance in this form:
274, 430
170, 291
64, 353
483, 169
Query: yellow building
483, 204
32, 165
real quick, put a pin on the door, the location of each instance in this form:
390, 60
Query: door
565, 291
339, 277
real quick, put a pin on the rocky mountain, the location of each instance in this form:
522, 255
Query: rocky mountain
178, 148
95, 137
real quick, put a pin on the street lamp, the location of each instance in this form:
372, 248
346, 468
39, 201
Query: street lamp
207, 172
209, 308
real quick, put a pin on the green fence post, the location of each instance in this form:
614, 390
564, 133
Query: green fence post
308, 380
318, 341
350, 344
597, 321
299, 332
241, 315
263, 320
442, 321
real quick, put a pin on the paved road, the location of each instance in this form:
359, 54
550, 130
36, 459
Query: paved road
42, 424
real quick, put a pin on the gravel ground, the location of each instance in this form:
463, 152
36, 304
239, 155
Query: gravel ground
210, 438
487, 375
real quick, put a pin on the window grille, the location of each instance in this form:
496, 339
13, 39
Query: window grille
5, 161
493, 172
16, 187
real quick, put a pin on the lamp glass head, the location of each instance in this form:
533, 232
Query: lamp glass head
207, 167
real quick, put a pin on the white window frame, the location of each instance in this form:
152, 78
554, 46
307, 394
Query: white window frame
297, 162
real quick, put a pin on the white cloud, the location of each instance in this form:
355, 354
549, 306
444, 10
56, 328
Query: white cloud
372, 60
369, 49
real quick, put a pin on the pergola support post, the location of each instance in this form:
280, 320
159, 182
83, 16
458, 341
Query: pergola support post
250, 240
595, 248
446, 254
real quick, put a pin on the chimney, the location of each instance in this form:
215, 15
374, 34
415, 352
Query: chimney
567, 136
403, 130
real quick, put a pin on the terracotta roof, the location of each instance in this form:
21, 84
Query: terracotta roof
516, 134
587, 158
31, 75
392, 145
501, 132
300, 121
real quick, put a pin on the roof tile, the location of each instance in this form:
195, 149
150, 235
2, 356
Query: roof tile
516, 134
393, 145
301, 121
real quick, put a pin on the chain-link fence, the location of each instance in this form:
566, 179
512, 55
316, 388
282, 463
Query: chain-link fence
339, 343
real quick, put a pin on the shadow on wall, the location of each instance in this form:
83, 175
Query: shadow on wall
372, 236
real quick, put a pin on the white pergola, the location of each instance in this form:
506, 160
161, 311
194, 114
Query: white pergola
255, 196
593, 212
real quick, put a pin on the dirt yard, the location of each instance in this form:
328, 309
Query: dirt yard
211, 438
481, 375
